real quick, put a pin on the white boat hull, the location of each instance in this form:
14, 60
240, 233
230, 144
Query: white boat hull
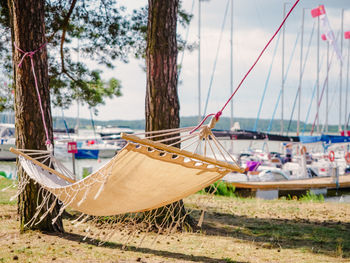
5, 154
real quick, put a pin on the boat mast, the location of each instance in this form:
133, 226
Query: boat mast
300, 69
199, 61
77, 124
231, 65
347, 89
318, 77
327, 86
341, 67
282, 88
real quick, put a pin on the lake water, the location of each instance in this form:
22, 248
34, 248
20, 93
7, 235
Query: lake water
80, 165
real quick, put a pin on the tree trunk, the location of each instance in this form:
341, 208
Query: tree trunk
28, 27
162, 103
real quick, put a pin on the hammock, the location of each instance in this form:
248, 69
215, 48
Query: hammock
143, 176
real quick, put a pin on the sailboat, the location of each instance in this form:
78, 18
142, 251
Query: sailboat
7, 140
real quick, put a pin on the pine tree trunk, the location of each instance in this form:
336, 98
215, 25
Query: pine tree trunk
28, 27
162, 103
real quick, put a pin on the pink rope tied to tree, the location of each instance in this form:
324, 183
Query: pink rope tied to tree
218, 114
30, 54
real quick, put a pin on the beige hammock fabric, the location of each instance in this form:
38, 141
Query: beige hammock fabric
138, 178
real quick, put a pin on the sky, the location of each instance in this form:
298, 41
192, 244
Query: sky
254, 22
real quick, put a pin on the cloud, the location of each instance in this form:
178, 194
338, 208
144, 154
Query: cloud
254, 23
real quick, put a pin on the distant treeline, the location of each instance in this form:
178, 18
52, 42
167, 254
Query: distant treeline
224, 123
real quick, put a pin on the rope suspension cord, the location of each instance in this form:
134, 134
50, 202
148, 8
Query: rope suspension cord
216, 57
30, 54
219, 113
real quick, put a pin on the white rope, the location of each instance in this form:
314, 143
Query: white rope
207, 139
174, 138
223, 148
189, 145
191, 136
166, 134
197, 146
165, 131
218, 147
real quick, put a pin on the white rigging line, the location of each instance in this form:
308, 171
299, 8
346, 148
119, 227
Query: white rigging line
186, 39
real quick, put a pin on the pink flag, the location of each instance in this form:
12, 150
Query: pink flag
323, 36
347, 35
328, 33
318, 11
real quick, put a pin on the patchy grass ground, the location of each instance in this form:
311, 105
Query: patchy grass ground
234, 230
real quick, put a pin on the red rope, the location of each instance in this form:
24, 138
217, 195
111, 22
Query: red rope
30, 54
218, 114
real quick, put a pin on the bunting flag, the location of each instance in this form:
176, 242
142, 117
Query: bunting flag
318, 11
347, 35
328, 32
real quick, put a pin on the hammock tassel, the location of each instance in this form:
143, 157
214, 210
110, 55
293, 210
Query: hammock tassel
82, 221
201, 219
48, 211
84, 197
100, 189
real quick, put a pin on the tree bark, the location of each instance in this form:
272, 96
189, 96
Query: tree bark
162, 102
28, 27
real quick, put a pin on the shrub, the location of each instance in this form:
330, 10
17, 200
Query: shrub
310, 196
220, 188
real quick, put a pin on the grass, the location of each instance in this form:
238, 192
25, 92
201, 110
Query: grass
8, 193
220, 188
310, 196
234, 230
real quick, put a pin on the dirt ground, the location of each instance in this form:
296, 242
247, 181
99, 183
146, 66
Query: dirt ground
234, 230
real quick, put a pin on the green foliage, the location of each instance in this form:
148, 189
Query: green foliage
99, 31
220, 188
6, 96
85, 173
6, 195
138, 26
101, 26
310, 196
229, 260
4, 32
224, 189
140, 124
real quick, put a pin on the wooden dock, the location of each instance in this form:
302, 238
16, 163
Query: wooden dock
302, 184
